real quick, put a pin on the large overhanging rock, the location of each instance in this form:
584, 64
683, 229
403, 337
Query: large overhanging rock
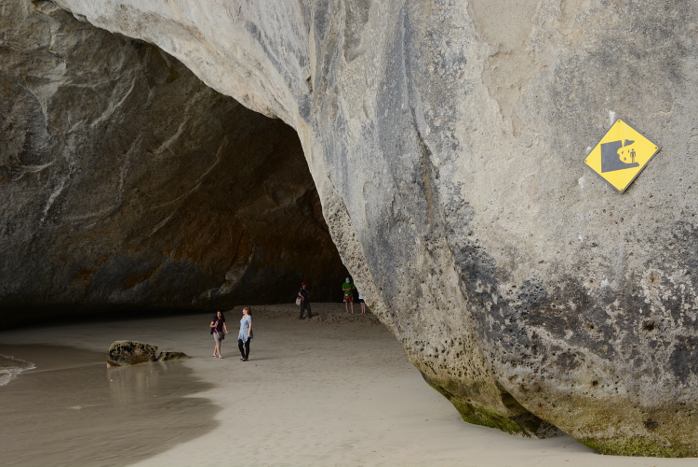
446, 141
126, 182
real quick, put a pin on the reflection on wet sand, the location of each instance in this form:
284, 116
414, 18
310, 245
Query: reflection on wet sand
82, 413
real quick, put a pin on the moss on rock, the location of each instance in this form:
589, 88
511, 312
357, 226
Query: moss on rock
639, 447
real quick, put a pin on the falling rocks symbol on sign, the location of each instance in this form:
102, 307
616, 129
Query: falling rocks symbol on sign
618, 156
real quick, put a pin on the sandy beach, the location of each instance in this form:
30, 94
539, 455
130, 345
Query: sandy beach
336, 390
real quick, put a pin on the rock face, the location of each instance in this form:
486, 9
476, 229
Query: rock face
446, 141
126, 182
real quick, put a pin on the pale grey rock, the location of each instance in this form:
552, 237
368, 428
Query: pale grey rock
446, 142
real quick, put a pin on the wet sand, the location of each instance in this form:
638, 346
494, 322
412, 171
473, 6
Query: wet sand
334, 391
71, 410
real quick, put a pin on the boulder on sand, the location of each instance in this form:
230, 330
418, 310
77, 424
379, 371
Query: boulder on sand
165, 356
122, 353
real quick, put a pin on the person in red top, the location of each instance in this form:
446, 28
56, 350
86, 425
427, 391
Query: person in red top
348, 288
218, 325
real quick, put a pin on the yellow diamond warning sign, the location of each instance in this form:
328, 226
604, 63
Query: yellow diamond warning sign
621, 155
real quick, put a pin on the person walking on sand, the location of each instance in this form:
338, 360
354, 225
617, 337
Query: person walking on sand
218, 325
245, 334
348, 288
305, 300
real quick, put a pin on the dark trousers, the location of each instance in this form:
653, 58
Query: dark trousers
305, 304
244, 348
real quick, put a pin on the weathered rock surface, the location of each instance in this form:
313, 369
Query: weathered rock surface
167, 356
126, 182
446, 142
124, 353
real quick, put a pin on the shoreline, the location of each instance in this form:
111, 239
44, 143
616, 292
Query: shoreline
71, 410
11, 368
334, 390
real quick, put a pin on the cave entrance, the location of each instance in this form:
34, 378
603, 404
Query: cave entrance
135, 186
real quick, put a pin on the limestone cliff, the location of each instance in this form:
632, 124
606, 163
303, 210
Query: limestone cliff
446, 140
128, 183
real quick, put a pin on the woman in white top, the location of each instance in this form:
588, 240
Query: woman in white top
245, 334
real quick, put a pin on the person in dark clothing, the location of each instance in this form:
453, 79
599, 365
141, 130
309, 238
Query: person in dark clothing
218, 325
305, 300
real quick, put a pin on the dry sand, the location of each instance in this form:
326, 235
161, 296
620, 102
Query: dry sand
337, 390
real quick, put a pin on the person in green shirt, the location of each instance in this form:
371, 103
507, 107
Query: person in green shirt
348, 288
